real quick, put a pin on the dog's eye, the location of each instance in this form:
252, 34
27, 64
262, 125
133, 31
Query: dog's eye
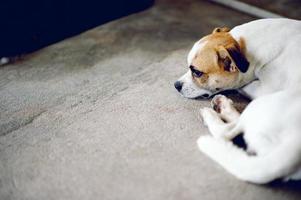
196, 73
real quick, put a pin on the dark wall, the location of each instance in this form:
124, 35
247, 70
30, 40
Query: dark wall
27, 25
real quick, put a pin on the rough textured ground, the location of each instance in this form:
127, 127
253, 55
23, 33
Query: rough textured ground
97, 117
287, 8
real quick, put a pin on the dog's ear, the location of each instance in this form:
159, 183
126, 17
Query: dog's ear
221, 29
232, 59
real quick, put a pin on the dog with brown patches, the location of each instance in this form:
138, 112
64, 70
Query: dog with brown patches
261, 59
215, 64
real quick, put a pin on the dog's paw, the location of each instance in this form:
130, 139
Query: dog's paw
206, 114
205, 143
219, 103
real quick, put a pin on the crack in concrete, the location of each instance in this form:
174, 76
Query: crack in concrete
15, 125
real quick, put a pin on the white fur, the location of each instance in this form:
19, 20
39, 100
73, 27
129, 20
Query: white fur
271, 122
196, 47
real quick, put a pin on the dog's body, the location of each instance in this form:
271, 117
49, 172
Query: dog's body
263, 62
273, 51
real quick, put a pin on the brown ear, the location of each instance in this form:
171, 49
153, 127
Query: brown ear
232, 59
221, 29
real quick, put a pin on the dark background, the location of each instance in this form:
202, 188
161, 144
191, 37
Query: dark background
27, 25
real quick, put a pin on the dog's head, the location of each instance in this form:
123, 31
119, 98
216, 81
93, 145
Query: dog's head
215, 63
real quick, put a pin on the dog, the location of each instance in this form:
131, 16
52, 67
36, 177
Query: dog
262, 60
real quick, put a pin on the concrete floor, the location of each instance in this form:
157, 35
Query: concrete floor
96, 116
286, 8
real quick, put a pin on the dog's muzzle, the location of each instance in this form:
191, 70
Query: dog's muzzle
179, 86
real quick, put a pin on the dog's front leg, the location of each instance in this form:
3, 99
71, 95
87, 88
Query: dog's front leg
224, 106
217, 127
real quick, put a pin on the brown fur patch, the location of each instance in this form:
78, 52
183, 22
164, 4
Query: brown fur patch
209, 61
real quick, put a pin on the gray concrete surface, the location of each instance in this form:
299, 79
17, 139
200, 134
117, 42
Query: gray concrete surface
287, 8
96, 116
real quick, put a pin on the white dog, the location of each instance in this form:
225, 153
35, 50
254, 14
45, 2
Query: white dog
261, 59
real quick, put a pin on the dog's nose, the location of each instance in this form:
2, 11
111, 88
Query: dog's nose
178, 85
